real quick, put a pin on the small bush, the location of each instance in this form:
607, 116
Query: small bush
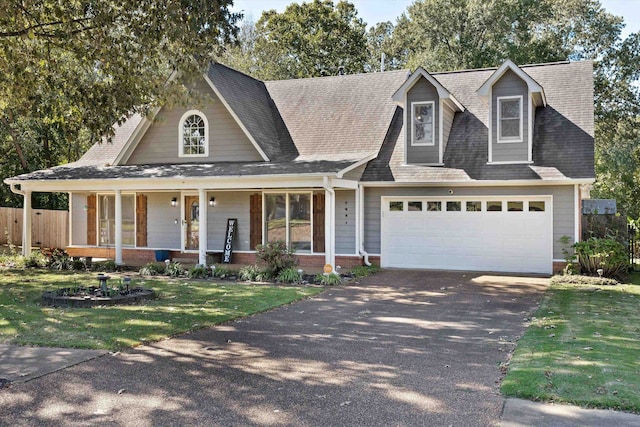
198, 272
289, 275
364, 270
35, 260
275, 256
329, 279
152, 269
606, 254
59, 260
174, 269
108, 266
583, 280
79, 264
249, 272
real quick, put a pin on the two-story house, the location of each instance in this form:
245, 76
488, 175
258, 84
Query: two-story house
470, 170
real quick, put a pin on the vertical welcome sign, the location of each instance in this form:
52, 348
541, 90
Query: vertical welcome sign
227, 252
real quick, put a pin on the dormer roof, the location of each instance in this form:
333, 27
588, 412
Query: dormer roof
534, 87
443, 93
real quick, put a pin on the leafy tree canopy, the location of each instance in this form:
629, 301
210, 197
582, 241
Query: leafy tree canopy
69, 69
303, 41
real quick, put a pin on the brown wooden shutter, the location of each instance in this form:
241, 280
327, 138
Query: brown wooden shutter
318, 222
255, 220
91, 220
141, 220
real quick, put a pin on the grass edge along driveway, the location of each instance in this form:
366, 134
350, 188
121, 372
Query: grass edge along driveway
581, 348
183, 305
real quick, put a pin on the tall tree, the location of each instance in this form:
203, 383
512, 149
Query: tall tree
70, 69
309, 38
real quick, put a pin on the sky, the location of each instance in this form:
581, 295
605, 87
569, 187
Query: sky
374, 11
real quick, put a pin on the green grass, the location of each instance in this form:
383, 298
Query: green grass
582, 348
183, 305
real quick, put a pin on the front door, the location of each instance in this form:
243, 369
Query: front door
192, 229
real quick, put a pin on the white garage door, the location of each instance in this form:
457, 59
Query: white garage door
511, 234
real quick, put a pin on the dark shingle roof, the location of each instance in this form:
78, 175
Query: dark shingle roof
185, 170
338, 117
251, 102
105, 152
563, 132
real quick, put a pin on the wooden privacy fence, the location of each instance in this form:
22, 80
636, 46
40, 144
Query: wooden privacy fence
49, 229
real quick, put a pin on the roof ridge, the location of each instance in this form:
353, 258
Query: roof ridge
236, 71
470, 70
403, 70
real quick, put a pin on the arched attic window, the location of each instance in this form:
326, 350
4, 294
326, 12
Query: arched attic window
193, 135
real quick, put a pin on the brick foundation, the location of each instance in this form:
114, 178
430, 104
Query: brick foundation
143, 256
558, 266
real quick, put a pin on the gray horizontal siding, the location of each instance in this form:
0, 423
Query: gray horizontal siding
162, 230
228, 205
509, 85
563, 207
79, 219
423, 91
345, 222
447, 122
227, 141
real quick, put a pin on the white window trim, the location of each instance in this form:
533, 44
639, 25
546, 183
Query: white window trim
181, 152
264, 217
433, 124
99, 196
508, 140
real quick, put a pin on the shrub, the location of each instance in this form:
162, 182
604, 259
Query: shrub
289, 275
174, 269
35, 260
249, 272
364, 270
59, 260
275, 256
108, 266
152, 269
583, 280
329, 279
606, 254
198, 272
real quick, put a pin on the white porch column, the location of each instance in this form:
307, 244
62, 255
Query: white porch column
329, 223
26, 224
202, 227
118, 227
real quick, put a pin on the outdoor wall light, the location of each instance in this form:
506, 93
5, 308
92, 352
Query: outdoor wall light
212, 201
86, 208
174, 202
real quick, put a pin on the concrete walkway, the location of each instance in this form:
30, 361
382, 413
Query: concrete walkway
401, 348
20, 363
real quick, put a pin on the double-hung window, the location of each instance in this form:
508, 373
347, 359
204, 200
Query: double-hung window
422, 128
107, 220
288, 218
509, 119
193, 135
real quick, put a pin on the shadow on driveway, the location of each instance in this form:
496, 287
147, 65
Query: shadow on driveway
398, 348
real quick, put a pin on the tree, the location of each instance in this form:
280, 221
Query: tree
307, 39
69, 70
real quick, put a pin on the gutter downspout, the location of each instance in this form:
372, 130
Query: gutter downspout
360, 234
26, 218
329, 239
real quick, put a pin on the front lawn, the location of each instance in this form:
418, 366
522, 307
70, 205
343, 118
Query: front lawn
582, 348
183, 305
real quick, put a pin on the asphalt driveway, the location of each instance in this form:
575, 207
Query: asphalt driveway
399, 348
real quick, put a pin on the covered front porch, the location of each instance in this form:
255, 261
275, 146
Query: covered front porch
129, 220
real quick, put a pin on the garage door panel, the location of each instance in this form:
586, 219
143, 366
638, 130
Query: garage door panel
510, 241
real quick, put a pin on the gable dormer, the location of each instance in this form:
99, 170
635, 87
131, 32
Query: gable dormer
512, 97
428, 114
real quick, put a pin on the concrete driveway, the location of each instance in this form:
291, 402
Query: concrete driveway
400, 348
